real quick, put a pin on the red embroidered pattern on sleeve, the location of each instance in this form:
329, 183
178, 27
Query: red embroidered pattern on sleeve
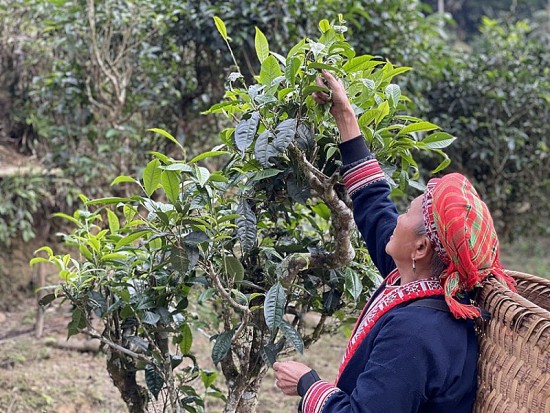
317, 395
362, 175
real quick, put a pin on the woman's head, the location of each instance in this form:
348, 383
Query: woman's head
461, 231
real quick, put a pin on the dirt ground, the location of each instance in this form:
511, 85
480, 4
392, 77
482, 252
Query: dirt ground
36, 376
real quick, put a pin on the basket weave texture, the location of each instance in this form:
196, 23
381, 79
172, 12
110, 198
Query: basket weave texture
514, 360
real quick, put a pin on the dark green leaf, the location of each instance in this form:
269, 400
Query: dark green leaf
293, 336
246, 226
77, 323
150, 318
313, 89
222, 346
184, 258
285, 132
97, 303
245, 131
266, 173
274, 306
304, 137
137, 344
154, 380
298, 189
47, 299
196, 237
353, 285
264, 150
331, 301
269, 353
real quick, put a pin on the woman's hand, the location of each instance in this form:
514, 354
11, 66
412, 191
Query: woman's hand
340, 108
288, 374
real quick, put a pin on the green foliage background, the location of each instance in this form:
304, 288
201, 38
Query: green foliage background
167, 65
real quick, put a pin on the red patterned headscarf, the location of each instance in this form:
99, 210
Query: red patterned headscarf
461, 230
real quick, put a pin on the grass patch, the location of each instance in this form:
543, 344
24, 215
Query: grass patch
528, 255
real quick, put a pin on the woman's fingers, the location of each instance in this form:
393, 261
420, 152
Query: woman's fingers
320, 97
288, 374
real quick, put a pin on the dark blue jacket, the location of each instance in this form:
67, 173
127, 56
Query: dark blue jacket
415, 359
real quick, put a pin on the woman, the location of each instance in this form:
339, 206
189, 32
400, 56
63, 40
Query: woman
413, 348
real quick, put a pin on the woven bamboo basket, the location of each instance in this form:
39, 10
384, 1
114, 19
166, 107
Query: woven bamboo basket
514, 360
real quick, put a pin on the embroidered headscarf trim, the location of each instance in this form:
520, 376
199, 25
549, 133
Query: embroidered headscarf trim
461, 231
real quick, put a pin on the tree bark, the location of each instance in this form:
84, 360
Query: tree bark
123, 375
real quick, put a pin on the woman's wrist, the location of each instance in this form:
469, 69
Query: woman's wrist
306, 381
347, 124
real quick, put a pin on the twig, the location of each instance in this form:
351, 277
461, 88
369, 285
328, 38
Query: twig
223, 291
93, 333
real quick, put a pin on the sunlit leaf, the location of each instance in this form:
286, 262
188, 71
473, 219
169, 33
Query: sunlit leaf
418, 127
438, 140
262, 46
151, 176
207, 155
202, 174
67, 217
291, 70
270, 71
166, 135
186, 339
359, 63
220, 25
393, 94
114, 224
171, 184
130, 239
122, 178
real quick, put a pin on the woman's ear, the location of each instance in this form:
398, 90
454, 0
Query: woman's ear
423, 248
